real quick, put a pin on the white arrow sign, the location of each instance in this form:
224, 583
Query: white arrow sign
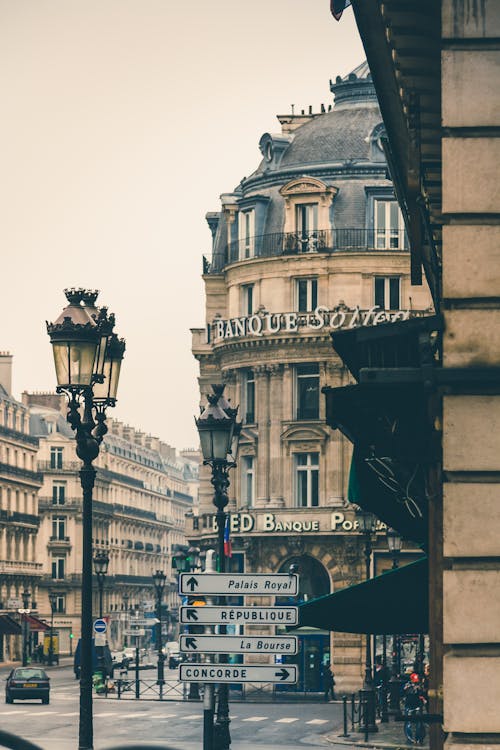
240, 615
239, 644
238, 673
239, 584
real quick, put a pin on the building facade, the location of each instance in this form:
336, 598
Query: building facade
313, 242
141, 496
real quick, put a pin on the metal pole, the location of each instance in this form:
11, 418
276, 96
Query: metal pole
137, 684
222, 737
100, 583
367, 694
51, 642
384, 715
394, 682
208, 717
161, 656
86, 731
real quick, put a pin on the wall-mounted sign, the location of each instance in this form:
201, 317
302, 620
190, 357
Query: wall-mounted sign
276, 523
264, 323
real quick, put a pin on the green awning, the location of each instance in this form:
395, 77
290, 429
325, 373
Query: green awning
395, 602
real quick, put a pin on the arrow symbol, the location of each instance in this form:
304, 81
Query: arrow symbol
191, 614
191, 643
282, 674
192, 583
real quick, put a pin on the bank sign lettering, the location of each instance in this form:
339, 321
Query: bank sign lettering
264, 323
242, 523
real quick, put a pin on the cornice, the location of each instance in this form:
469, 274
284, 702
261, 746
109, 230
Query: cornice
325, 171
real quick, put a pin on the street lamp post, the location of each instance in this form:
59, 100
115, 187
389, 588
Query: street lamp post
87, 358
53, 604
125, 598
26, 603
219, 436
366, 523
159, 579
101, 563
394, 543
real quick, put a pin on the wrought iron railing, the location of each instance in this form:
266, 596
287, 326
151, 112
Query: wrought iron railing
17, 471
314, 241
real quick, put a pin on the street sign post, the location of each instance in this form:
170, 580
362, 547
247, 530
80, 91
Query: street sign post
100, 626
239, 615
239, 644
239, 584
286, 674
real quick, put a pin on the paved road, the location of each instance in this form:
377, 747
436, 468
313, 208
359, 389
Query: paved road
177, 724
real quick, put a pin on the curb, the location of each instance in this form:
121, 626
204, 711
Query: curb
340, 740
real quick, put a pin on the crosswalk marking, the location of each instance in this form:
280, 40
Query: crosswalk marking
286, 720
70, 713
192, 716
99, 713
41, 713
317, 721
256, 718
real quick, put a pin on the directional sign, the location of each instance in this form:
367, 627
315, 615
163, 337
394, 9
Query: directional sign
100, 626
144, 622
238, 673
239, 644
240, 615
239, 584
137, 632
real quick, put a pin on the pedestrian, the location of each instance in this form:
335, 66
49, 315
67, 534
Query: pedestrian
328, 682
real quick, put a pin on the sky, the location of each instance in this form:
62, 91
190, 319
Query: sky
123, 121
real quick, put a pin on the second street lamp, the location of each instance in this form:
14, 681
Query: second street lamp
53, 604
26, 603
101, 563
159, 579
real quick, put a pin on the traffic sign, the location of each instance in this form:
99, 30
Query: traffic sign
239, 584
100, 639
144, 622
239, 644
137, 632
239, 615
100, 626
238, 673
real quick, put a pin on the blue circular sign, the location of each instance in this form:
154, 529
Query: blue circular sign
100, 626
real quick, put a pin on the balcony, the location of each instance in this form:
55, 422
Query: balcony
20, 436
70, 503
56, 542
65, 467
23, 519
20, 568
299, 243
34, 477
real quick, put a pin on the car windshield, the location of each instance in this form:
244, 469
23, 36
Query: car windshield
29, 674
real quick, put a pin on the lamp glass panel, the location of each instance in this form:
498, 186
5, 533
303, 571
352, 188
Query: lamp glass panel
74, 362
101, 355
109, 388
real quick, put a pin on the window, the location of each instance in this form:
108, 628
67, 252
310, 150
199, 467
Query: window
56, 458
247, 299
247, 480
389, 226
61, 604
246, 228
307, 295
306, 480
58, 567
307, 391
306, 224
58, 527
58, 493
387, 292
249, 396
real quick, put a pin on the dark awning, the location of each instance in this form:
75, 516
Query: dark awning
395, 602
8, 626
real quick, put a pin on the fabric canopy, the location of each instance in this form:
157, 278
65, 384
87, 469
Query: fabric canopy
8, 626
35, 624
395, 602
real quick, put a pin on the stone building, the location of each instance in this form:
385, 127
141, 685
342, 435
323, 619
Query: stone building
311, 243
141, 497
20, 481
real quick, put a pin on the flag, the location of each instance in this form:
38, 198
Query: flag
228, 551
337, 7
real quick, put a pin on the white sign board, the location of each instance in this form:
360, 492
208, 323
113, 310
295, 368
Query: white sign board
239, 584
238, 673
239, 615
99, 639
137, 632
239, 644
144, 622
14, 603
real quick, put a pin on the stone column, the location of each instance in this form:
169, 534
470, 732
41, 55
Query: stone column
262, 416
275, 416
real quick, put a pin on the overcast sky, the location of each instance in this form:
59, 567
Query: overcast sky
122, 121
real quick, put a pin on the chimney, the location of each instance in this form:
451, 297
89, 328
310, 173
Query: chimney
45, 399
6, 371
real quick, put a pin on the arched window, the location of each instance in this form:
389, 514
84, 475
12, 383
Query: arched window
314, 580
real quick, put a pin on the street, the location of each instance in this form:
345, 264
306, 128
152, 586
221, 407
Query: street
174, 723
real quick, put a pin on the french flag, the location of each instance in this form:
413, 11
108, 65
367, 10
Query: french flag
337, 7
228, 550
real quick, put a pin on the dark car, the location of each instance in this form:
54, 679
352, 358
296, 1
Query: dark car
24, 683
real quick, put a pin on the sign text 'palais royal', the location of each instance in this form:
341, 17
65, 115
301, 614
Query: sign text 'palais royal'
264, 323
273, 523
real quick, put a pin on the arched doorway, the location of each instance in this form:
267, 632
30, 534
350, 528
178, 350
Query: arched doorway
313, 644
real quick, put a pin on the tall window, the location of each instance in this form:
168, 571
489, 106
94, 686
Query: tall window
56, 458
247, 480
389, 225
306, 223
58, 567
246, 228
307, 391
59, 493
249, 396
387, 292
247, 299
61, 604
307, 294
58, 527
306, 480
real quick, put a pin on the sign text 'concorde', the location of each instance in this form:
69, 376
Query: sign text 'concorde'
239, 584
238, 673
239, 615
239, 644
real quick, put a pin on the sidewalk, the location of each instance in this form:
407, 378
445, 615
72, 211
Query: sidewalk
64, 661
390, 735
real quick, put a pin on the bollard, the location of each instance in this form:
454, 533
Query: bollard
365, 716
137, 684
353, 709
119, 687
344, 706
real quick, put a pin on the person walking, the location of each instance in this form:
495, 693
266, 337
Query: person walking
328, 682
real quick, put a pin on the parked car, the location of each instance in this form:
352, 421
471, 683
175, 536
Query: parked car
173, 654
25, 683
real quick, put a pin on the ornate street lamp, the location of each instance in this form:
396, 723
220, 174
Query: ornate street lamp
367, 524
26, 595
53, 605
87, 358
101, 563
159, 579
219, 436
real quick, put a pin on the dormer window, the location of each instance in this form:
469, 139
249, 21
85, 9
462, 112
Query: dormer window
306, 225
308, 222
246, 227
389, 225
